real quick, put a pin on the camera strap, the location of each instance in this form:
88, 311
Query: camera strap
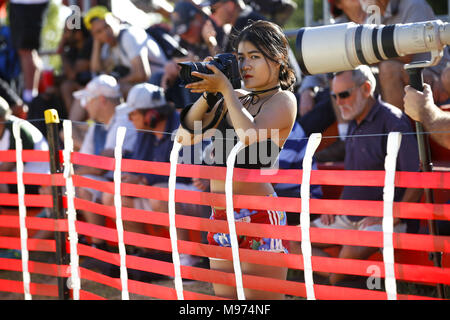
253, 97
213, 122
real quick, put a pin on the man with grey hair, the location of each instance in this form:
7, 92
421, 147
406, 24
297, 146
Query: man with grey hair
370, 121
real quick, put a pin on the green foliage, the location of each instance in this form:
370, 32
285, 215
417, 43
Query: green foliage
297, 19
51, 34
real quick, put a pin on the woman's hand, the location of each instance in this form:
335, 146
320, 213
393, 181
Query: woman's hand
215, 82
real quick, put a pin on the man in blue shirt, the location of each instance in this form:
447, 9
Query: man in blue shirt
370, 122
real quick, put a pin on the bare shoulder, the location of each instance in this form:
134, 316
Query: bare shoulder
285, 98
282, 104
287, 94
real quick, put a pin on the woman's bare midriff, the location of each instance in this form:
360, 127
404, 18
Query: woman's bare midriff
242, 188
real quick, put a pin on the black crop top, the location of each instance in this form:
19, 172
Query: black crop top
261, 154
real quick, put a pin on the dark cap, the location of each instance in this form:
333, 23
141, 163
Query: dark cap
182, 15
209, 3
335, 11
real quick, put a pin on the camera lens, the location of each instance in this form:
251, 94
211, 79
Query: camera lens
188, 67
225, 62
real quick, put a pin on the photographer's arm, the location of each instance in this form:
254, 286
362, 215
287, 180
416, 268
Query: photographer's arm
280, 116
420, 107
196, 113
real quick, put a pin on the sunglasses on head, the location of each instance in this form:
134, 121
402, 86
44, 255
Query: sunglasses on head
344, 94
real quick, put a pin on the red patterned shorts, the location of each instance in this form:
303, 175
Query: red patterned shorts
248, 242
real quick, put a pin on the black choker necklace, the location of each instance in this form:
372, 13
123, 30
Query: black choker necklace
253, 97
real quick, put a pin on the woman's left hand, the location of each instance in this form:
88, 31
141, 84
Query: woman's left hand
215, 82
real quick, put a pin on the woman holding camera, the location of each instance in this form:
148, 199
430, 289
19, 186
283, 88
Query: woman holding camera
261, 116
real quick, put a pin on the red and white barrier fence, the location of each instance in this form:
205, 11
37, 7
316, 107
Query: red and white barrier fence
390, 268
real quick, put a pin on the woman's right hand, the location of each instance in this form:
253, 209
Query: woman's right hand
210, 82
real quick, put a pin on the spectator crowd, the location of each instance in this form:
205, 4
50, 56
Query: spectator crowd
117, 74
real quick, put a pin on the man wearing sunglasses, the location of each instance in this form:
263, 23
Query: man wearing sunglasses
370, 121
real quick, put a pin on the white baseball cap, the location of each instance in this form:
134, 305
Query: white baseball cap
102, 85
145, 96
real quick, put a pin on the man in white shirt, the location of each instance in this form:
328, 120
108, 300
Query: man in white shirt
128, 52
102, 100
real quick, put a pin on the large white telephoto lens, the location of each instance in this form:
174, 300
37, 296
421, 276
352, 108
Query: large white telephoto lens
345, 46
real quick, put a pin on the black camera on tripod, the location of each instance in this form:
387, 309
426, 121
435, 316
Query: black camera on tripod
225, 62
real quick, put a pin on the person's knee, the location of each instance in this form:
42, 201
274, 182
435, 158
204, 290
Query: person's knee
84, 194
108, 199
127, 202
158, 205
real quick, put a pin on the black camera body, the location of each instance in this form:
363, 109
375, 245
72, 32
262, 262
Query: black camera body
225, 62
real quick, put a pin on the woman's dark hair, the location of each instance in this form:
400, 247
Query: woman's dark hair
269, 38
